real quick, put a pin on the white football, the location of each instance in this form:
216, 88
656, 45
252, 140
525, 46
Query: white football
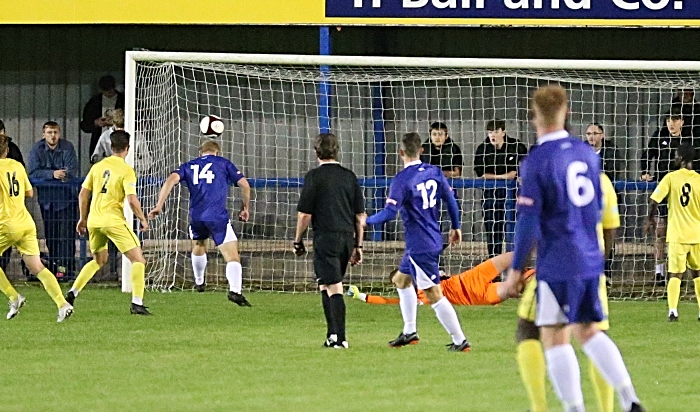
211, 126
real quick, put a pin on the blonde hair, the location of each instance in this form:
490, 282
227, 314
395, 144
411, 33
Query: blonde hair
548, 102
210, 147
118, 118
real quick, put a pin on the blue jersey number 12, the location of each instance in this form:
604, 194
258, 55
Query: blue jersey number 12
428, 199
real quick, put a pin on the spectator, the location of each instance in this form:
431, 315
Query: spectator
53, 159
685, 101
662, 146
609, 155
442, 152
95, 119
104, 144
497, 158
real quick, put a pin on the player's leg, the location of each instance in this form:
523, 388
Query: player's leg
138, 279
98, 247
225, 239
331, 257
562, 365
599, 348
530, 356
408, 304
199, 263
426, 276
694, 264
199, 234
660, 245
16, 300
28, 246
605, 393
677, 259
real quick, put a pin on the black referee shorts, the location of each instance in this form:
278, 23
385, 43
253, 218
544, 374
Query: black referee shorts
332, 251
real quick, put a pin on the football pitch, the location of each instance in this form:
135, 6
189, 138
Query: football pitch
200, 352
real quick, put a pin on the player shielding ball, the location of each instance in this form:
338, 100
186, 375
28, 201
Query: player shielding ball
18, 229
530, 357
560, 207
109, 182
208, 178
417, 191
682, 189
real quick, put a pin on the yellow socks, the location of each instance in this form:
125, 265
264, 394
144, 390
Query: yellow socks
86, 273
533, 372
605, 394
696, 281
138, 282
7, 288
674, 294
51, 285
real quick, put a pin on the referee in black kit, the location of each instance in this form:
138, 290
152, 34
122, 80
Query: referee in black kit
332, 202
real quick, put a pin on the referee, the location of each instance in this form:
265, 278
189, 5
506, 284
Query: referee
332, 202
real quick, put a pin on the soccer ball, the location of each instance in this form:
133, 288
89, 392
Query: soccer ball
211, 126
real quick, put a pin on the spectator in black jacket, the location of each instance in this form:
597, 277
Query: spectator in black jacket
662, 147
685, 101
609, 155
442, 152
14, 153
95, 114
497, 158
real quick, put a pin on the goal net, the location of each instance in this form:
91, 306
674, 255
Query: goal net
272, 107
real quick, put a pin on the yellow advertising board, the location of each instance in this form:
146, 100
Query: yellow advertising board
357, 12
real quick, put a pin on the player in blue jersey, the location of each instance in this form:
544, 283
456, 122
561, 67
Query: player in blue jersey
208, 178
416, 191
559, 206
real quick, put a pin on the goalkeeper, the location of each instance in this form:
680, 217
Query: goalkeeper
471, 287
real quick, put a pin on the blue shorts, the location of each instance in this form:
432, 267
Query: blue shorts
221, 231
570, 301
423, 268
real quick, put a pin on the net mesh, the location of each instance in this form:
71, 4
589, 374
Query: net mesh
271, 114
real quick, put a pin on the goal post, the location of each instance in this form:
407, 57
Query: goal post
270, 105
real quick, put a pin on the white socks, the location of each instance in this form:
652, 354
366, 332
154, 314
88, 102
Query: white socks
199, 264
448, 318
660, 268
137, 300
565, 375
408, 301
607, 358
75, 291
234, 274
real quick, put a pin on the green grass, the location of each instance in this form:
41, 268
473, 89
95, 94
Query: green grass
202, 353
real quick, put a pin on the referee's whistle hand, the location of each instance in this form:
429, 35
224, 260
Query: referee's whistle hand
356, 257
299, 248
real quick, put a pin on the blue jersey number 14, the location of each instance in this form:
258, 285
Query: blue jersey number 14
205, 174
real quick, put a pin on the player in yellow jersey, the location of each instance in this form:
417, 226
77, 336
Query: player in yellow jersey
111, 181
17, 229
682, 190
530, 356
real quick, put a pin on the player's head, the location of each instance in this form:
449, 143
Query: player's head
411, 146
120, 142
496, 129
117, 117
438, 133
685, 154
550, 107
210, 147
4, 145
595, 134
108, 85
674, 121
51, 132
326, 146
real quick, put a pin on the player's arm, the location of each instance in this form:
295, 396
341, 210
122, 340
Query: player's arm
448, 196
84, 207
526, 228
657, 197
307, 202
168, 186
391, 207
135, 206
244, 213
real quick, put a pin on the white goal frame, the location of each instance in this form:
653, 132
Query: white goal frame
132, 57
